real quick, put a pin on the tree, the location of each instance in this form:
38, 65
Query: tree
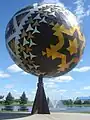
9, 99
67, 102
86, 102
79, 102
1, 99
70, 101
23, 99
17, 100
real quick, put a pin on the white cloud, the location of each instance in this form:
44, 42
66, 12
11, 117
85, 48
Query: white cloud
59, 91
14, 68
9, 86
86, 88
33, 92
4, 75
88, 11
50, 84
62, 90
73, 90
78, 92
15, 91
80, 10
55, 93
53, 85
50, 1
82, 69
25, 73
64, 78
53, 2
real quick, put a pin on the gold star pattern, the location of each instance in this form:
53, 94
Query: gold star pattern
83, 46
67, 31
63, 66
52, 52
80, 35
73, 46
60, 44
56, 26
70, 31
54, 48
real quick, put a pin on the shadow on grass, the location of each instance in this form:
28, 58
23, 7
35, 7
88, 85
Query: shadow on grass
8, 116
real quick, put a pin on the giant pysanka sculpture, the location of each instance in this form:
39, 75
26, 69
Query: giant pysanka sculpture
45, 40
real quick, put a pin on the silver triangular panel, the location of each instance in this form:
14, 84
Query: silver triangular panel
32, 11
29, 28
20, 27
18, 56
35, 30
46, 14
52, 13
25, 41
43, 20
36, 66
30, 66
48, 10
32, 56
31, 43
17, 37
25, 55
37, 17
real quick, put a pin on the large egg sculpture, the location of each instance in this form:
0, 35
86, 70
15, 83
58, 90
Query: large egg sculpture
45, 40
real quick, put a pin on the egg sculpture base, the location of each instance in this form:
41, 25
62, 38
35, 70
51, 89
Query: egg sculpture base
40, 105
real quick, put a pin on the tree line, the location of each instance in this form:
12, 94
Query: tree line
24, 100
10, 99
75, 102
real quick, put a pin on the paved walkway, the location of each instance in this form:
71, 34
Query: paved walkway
57, 116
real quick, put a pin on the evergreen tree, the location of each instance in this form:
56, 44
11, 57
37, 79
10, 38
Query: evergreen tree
79, 102
23, 99
9, 99
1, 99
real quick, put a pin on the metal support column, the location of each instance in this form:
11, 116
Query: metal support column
40, 105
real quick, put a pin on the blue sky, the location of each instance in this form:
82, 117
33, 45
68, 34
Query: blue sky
13, 79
